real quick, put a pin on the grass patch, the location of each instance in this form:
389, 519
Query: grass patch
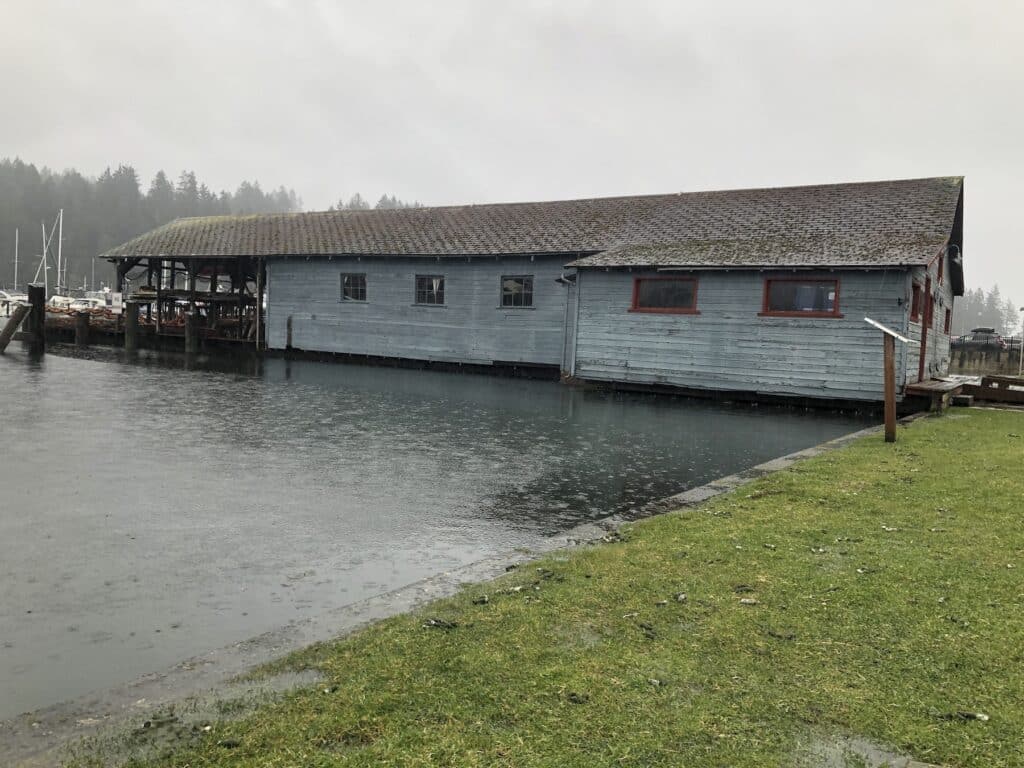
876, 591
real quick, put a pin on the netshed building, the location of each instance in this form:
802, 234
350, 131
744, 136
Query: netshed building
759, 291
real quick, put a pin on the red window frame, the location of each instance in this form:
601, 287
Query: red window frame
766, 312
949, 321
691, 310
916, 293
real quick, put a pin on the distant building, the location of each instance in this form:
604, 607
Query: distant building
760, 291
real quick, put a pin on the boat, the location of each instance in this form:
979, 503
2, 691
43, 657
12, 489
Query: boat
8, 300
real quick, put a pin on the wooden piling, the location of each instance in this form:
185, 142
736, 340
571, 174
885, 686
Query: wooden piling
18, 313
889, 365
191, 344
81, 329
131, 326
36, 322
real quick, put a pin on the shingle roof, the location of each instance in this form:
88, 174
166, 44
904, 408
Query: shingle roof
864, 224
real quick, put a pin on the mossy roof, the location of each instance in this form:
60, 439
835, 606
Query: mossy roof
884, 223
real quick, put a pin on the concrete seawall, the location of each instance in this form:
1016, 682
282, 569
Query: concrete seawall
979, 362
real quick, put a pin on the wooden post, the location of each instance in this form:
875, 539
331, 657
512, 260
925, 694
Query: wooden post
890, 387
81, 329
260, 285
18, 313
36, 323
131, 327
190, 333
240, 286
191, 272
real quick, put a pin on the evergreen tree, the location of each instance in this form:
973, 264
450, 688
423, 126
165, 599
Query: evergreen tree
102, 212
160, 202
186, 195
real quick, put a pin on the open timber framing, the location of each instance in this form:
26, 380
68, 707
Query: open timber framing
213, 299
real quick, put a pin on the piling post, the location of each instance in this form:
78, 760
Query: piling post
190, 333
131, 327
35, 325
18, 313
81, 329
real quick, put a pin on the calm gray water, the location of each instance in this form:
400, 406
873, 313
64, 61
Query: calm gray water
150, 513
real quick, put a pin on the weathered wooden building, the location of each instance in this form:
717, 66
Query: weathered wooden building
768, 289
759, 291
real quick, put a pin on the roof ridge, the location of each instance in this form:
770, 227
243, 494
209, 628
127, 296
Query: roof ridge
608, 198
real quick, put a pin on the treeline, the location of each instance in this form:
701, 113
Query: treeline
102, 212
979, 308
358, 203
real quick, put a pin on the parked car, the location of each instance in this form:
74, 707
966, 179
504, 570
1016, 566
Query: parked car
980, 338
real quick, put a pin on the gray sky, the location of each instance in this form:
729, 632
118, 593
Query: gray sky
485, 101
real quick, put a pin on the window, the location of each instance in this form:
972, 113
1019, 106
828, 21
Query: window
517, 291
666, 295
915, 303
949, 322
430, 290
353, 287
801, 298
942, 265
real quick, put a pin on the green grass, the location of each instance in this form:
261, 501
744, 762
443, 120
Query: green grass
889, 582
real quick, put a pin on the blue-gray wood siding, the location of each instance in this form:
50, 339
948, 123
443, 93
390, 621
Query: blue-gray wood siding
471, 327
728, 346
937, 352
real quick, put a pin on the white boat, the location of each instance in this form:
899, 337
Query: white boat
8, 300
61, 302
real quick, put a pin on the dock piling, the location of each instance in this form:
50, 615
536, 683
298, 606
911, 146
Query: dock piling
35, 325
191, 340
131, 327
18, 313
81, 329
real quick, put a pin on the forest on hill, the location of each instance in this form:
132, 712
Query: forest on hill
979, 308
105, 211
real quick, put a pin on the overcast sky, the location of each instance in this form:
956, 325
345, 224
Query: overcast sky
484, 101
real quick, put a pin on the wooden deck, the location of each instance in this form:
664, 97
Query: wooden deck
937, 391
931, 387
998, 389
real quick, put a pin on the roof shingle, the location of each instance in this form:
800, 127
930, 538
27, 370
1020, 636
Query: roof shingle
884, 223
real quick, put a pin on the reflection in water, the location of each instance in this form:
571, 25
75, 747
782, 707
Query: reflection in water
149, 512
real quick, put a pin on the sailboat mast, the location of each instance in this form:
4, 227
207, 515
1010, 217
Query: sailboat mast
43, 265
61, 281
15, 259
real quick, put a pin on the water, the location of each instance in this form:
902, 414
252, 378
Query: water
151, 513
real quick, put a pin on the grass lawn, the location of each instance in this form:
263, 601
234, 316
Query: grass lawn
875, 592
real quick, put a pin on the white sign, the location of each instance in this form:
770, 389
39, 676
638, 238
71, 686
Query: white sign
116, 303
889, 331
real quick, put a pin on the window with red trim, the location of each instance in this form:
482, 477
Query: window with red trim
915, 303
799, 297
949, 322
665, 295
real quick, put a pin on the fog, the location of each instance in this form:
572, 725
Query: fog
494, 101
